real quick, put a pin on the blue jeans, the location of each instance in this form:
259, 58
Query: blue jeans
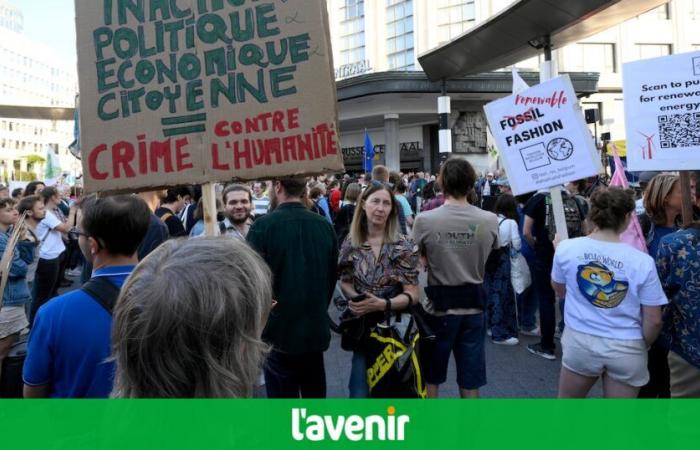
527, 303
501, 307
358, 386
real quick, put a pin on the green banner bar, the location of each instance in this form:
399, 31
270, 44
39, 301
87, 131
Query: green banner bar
380, 424
183, 130
184, 119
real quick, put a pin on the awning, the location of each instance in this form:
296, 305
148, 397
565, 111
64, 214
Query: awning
515, 34
585, 83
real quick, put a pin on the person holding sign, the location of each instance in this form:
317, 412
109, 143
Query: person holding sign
613, 303
16, 294
536, 233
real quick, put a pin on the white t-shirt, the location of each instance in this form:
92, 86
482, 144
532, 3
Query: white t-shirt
53, 245
606, 284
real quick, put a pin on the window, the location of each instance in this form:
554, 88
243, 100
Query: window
589, 57
399, 32
659, 13
454, 18
695, 9
352, 32
353, 9
652, 50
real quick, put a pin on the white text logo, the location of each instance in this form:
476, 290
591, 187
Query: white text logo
355, 428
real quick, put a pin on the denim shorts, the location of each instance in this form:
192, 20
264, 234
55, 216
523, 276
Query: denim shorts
462, 335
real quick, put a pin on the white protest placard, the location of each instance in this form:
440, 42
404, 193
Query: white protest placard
662, 112
542, 136
197, 91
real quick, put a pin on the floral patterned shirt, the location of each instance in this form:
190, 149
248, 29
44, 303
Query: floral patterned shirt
678, 263
397, 265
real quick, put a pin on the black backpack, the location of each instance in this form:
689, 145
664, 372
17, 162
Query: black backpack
100, 289
103, 292
573, 213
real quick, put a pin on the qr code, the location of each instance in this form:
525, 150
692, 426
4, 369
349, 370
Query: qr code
679, 130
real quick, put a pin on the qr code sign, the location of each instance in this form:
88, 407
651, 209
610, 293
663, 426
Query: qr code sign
679, 130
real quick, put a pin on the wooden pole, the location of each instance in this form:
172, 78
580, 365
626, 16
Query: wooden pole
687, 211
7, 255
547, 72
211, 227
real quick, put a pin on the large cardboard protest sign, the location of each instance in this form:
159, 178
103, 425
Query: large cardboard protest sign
662, 112
194, 91
542, 136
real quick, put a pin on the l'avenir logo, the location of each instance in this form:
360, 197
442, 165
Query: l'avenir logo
313, 427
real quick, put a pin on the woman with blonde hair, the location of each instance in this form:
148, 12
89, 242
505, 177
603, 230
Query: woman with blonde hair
663, 206
189, 319
378, 270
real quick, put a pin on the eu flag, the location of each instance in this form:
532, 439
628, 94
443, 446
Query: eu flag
369, 153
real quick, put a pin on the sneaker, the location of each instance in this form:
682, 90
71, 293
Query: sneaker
509, 341
532, 332
537, 349
488, 332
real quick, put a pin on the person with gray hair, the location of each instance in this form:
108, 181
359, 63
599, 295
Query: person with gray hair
183, 333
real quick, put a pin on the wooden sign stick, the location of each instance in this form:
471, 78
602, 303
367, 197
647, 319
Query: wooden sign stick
211, 227
687, 210
6, 261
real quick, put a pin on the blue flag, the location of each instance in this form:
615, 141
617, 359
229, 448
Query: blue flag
369, 153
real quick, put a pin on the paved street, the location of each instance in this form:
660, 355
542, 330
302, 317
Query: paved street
510, 371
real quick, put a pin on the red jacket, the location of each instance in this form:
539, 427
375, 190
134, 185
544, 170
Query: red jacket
335, 200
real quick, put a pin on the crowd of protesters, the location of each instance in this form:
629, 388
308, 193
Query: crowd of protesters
164, 311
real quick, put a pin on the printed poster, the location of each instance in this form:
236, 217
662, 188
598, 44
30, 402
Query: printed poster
542, 136
662, 112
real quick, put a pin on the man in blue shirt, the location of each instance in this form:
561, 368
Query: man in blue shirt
70, 342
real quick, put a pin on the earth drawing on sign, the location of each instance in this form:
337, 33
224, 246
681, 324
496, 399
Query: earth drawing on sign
560, 149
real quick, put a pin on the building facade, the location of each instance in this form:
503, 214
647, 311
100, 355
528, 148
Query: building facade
386, 36
31, 75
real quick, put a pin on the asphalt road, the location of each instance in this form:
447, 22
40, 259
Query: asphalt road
511, 371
